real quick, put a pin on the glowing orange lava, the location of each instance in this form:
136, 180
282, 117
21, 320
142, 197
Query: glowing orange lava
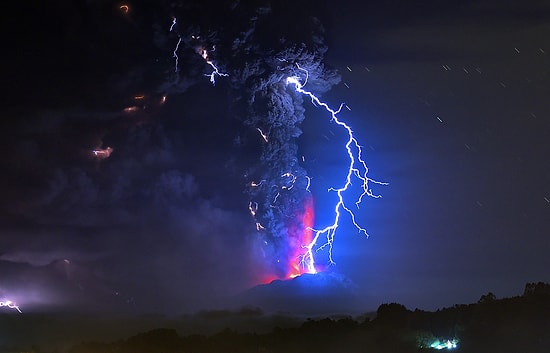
300, 238
268, 279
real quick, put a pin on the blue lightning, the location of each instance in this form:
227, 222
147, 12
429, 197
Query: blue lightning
357, 169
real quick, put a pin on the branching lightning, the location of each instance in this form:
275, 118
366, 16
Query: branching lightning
11, 305
215, 71
271, 216
357, 169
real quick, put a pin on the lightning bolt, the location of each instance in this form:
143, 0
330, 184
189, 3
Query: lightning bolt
308, 183
264, 135
175, 52
357, 170
215, 71
10, 304
203, 52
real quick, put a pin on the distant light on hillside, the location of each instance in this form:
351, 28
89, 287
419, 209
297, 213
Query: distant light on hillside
448, 344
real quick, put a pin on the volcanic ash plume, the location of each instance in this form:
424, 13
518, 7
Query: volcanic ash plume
255, 61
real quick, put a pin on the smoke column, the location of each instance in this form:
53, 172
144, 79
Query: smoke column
256, 61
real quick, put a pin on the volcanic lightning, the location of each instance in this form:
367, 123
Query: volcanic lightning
270, 85
202, 51
215, 71
357, 169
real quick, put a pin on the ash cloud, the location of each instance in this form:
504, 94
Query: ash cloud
165, 214
138, 219
258, 53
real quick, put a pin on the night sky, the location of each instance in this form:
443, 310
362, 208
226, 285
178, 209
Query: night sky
448, 99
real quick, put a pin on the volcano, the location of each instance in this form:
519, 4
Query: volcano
321, 294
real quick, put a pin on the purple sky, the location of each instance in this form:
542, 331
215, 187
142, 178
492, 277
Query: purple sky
449, 101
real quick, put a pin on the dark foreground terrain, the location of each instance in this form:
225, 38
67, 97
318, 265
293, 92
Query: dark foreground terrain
517, 324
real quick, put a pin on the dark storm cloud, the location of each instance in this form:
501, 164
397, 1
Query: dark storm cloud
162, 224
168, 238
165, 212
258, 54
62, 54
137, 184
136, 218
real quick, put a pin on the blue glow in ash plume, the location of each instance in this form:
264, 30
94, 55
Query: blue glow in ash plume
357, 168
281, 203
284, 217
